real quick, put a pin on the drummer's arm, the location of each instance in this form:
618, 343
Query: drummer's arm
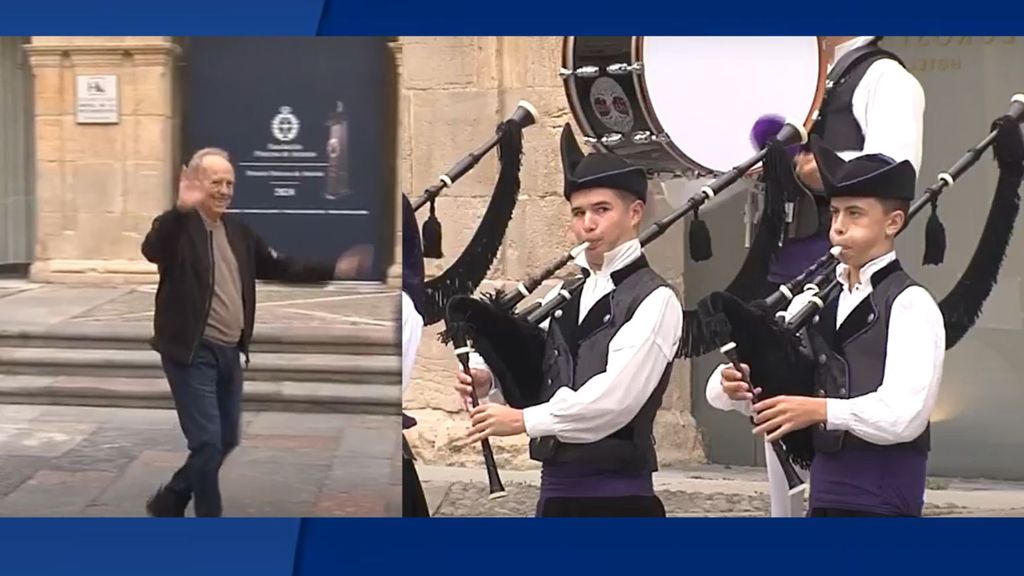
889, 106
807, 171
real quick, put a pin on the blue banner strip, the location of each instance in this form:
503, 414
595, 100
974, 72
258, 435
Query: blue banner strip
527, 17
148, 547
493, 547
160, 18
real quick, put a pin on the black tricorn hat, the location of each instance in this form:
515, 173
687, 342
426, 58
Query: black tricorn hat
599, 170
867, 176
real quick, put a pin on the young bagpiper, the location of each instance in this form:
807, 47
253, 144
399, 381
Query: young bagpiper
613, 346
884, 341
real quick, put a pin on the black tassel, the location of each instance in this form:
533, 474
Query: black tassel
963, 305
703, 331
934, 239
700, 239
470, 267
432, 235
693, 343
751, 281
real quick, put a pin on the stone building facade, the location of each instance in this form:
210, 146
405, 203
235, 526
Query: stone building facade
454, 91
97, 187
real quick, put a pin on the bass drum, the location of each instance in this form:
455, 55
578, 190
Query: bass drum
685, 105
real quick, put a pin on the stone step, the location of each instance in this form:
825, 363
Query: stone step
274, 367
353, 340
329, 397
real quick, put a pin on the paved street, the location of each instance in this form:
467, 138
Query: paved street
703, 491
77, 461
470, 499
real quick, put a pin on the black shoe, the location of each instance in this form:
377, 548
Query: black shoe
166, 503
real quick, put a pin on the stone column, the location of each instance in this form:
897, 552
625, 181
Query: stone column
401, 163
99, 186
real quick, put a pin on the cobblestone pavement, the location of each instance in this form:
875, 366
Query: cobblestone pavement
76, 461
470, 499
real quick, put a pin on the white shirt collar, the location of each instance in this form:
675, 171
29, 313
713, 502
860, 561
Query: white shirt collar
850, 45
615, 259
866, 271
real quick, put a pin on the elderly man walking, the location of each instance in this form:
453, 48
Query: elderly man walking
208, 262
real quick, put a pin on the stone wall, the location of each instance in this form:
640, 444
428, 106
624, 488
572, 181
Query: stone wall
454, 91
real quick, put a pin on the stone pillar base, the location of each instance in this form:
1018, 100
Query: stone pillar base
394, 279
679, 439
117, 272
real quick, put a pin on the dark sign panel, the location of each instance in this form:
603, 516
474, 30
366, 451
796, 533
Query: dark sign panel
309, 124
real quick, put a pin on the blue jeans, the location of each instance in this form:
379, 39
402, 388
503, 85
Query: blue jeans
208, 398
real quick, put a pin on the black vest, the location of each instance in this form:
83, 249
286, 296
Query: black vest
850, 361
836, 125
577, 351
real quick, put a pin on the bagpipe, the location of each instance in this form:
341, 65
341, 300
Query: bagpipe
632, 109
469, 269
771, 340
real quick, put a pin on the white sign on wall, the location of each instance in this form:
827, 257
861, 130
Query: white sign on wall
96, 99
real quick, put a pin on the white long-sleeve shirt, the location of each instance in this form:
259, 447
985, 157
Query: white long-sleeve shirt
637, 357
888, 104
412, 332
899, 409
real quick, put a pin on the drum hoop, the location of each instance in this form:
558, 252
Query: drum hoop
654, 123
568, 61
819, 95
639, 80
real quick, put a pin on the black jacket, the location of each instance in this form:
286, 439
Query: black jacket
182, 248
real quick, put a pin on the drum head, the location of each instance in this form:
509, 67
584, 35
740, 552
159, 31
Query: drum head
707, 92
